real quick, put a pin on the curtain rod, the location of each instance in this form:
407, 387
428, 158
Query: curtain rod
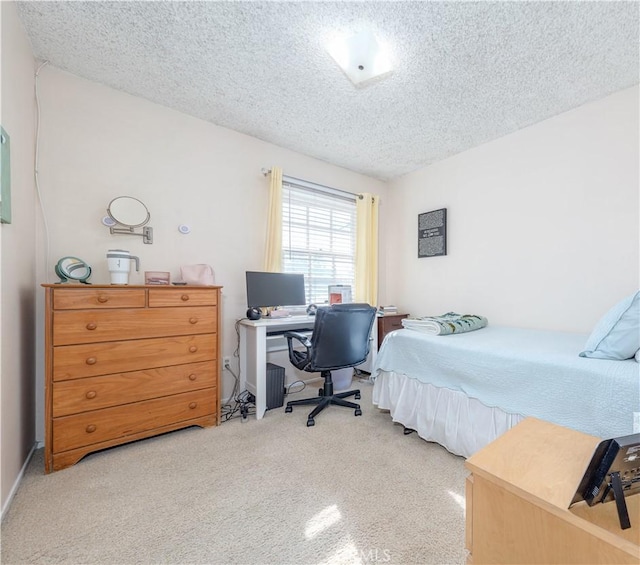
314, 186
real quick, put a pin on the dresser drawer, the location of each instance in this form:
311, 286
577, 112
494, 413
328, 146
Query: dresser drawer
81, 298
91, 326
93, 393
79, 430
391, 323
182, 297
77, 361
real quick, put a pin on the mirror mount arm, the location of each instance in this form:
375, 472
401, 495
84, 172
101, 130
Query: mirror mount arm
147, 233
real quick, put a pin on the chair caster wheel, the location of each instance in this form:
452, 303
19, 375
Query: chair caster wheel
357, 396
288, 409
358, 412
311, 422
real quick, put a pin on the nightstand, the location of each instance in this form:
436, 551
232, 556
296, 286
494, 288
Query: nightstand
389, 323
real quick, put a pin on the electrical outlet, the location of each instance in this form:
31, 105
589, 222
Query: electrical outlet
226, 362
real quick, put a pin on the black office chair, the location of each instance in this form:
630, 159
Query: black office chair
340, 339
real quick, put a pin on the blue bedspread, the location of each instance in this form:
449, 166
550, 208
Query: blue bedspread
528, 372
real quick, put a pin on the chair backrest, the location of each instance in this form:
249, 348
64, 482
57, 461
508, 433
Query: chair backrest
341, 336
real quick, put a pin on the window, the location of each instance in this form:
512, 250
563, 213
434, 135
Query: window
318, 236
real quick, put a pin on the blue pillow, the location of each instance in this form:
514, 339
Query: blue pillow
617, 334
638, 356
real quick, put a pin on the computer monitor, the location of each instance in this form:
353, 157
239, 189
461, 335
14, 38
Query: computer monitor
268, 290
612, 475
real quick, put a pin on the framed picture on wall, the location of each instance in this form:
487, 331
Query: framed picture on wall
5, 178
339, 293
432, 233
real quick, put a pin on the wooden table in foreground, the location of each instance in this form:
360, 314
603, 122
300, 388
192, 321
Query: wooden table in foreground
518, 498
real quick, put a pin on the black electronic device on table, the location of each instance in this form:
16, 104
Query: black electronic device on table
271, 290
612, 475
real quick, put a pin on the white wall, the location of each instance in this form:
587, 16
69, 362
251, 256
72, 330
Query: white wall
542, 224
17, 368
98, 143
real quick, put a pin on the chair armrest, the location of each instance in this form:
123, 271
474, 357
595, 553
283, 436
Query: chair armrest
302, 338
299, 359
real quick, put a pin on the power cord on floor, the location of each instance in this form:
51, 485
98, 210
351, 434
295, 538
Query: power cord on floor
36, 174
243, 404
362, 375
291, 385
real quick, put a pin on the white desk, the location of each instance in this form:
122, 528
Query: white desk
256, 343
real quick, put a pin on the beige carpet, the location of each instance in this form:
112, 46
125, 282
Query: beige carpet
349, 490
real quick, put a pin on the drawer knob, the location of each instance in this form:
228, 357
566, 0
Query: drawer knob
92, 326
102, 299
192, 405
193, 349
184, 297
91, 361
193, 320
91, 394
192, 377
91, 428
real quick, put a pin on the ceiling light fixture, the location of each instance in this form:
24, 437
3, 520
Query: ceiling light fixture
362, 57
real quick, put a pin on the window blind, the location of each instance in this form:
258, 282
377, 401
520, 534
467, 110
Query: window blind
318, 238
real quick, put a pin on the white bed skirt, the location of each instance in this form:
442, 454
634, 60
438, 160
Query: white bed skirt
461, 424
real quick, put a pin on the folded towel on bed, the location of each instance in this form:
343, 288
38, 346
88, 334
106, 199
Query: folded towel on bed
449, 323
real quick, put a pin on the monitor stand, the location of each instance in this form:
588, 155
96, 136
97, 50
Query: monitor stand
618, 494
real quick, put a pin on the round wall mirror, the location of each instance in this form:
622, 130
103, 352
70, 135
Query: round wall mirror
128, 211
72, 268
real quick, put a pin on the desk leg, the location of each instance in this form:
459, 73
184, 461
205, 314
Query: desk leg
253, 365
243, 357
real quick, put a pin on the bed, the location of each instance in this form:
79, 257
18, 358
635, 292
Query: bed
464, 390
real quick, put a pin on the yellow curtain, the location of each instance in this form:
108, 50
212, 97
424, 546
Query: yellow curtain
367, 248
273, 249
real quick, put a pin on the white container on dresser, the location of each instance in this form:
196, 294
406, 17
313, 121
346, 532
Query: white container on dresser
126, 363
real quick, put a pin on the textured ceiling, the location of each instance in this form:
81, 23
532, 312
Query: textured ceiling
465, 73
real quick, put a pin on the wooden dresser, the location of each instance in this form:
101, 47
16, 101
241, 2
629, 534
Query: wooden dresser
126, 363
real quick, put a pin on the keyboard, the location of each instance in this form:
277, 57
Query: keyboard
282, 332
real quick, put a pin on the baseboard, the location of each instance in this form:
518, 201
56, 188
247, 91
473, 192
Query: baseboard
18, 480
